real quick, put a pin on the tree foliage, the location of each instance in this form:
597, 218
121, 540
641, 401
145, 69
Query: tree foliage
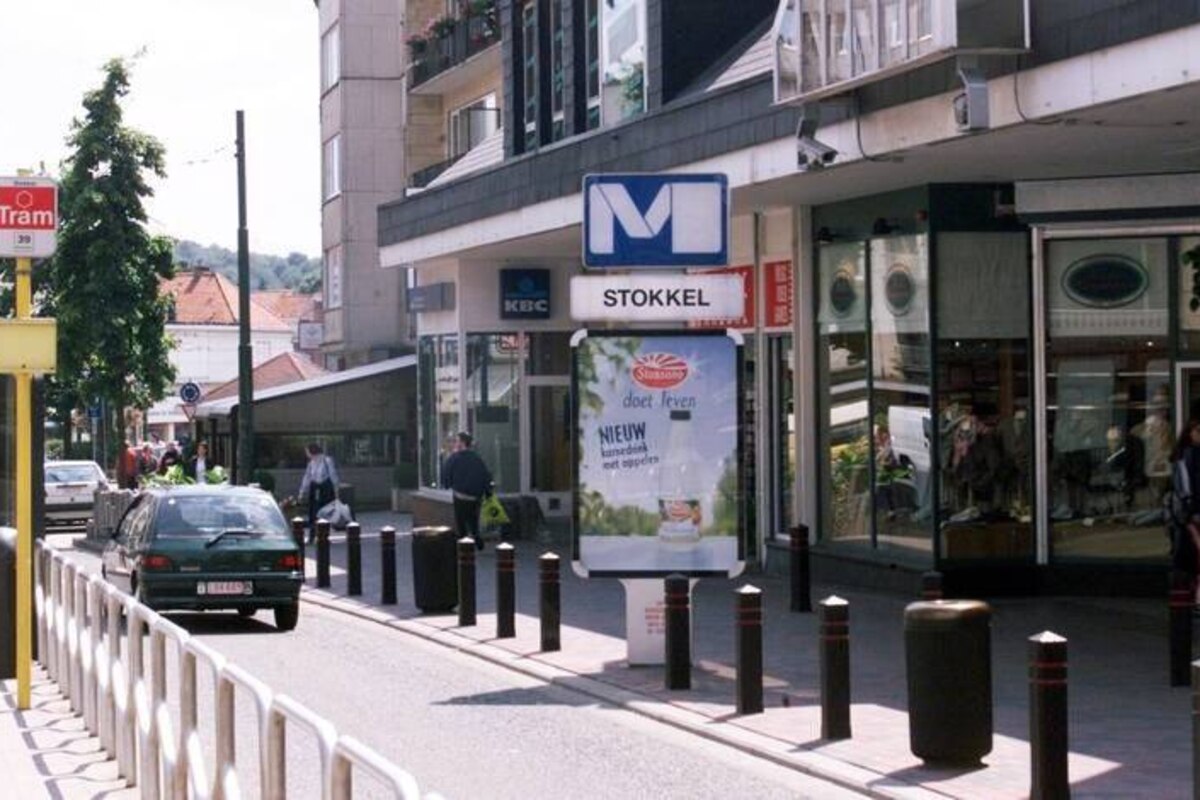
103, 282
296, 271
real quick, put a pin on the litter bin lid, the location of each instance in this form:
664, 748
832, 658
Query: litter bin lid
945, 613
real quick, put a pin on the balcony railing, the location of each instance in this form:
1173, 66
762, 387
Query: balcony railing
475, 30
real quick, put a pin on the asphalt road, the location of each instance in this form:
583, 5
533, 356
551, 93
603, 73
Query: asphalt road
470, 729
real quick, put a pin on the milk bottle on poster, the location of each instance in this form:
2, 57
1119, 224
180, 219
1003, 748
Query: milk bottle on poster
679, 491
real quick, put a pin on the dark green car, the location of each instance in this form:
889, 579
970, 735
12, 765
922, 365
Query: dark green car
204, 548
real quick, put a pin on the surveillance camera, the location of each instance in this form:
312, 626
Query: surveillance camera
812, 154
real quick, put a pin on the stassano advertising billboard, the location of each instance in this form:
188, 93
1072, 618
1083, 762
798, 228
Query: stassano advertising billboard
658, 476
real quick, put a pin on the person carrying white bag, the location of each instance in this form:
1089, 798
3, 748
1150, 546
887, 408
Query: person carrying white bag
319, 486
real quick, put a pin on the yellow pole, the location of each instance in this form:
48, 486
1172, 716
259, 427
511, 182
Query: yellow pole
24, 298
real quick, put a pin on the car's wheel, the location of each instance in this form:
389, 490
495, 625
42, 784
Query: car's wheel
287, 616
246, 612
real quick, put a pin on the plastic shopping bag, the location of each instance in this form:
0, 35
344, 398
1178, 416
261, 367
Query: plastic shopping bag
337, 514
492, 512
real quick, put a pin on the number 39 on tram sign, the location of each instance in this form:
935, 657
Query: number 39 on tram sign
28, 217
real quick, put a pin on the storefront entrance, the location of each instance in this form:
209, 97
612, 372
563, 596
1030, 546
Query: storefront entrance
549, 471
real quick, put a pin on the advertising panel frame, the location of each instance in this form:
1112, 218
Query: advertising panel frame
738, 455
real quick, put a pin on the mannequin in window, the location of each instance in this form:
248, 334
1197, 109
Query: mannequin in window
1157, 440
1014, 441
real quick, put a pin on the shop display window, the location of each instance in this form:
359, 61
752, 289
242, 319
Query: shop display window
8, 462
493, 369
1108, 397
842, 349
438, 401
985, 425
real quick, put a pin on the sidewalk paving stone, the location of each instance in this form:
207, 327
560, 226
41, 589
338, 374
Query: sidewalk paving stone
1129, 733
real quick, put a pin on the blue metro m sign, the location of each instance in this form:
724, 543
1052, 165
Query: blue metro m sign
655, 221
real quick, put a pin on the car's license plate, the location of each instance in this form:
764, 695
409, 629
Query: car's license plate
225, 587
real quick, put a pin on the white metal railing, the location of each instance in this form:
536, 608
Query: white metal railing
92, 641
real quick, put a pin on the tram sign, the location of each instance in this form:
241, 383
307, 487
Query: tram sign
28, 217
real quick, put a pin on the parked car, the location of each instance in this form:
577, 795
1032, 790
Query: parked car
205, 548
70, 491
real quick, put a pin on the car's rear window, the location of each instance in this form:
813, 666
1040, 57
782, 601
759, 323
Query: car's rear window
204, 515
73, 473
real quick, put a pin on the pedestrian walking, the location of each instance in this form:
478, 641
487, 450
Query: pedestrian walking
319, 485
127, 466
468, 479
1183, 517
197, 466
170, 458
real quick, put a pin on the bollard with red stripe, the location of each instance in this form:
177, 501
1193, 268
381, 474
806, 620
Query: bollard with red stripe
801, 570
506, 591
676, 606
466, 581
298, 537
749, 650
931, 585
387, 562
323, 553
835, 668
1179, 608
1048, 717
550, 601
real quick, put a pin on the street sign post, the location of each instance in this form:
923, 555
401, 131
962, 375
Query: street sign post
28, 230
189, 393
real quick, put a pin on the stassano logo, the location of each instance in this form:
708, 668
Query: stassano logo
659, 371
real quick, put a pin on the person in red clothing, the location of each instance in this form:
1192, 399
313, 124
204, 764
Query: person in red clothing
127, 466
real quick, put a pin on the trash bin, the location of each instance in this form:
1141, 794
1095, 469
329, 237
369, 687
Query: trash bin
435, 568
8, 603
948, 652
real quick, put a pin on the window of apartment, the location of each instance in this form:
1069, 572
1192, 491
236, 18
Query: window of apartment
472, 123
331, 57
623, 54
530, 54
558, 82
331, 164
592, 23
333, 277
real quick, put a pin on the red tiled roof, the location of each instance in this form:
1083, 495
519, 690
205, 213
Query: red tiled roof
204, 297
282, 369
290, 306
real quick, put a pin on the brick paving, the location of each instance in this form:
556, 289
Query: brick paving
1129, 732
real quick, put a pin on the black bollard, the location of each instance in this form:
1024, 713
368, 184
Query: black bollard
679, 632
298, 537
1180, 631
466, 581
550, 604
931, 585
322, 553
506, 591
387, 565
1048, 717
353, 559
749, 650
1196, 730
801, 572
835, 668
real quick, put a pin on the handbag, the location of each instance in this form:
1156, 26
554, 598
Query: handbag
492, 512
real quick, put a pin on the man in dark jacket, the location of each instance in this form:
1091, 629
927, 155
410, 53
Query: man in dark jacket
468, 479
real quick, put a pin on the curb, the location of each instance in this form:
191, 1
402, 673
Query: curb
777, 751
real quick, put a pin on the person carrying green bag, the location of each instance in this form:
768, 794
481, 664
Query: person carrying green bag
469, 481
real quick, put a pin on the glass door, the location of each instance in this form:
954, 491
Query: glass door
549, 469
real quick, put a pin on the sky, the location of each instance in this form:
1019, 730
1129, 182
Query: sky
202, 61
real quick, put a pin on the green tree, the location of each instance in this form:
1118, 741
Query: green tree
104, 278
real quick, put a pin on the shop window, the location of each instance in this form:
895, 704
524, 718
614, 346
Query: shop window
360, 449
844, 459
493, 371
8, 478
438, 401
1108, 397
1188, 270
902, 475
782, 433
549, 353
985, 463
